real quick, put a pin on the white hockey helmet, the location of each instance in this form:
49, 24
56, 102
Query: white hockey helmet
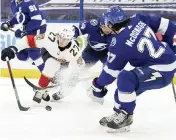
17, 1
66, 32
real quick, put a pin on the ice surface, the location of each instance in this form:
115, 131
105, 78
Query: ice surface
76, 117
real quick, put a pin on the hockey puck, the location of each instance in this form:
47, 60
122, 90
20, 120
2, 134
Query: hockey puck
48, 108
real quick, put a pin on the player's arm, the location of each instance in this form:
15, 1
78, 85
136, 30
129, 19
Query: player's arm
158, 24
77, 31
36, 17
116, 61
163, 26
81, 29
10, 23
114, 64
86, 26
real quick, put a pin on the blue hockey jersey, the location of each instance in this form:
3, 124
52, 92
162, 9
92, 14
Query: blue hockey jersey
28, 14
138, 45
96, 38
162, 26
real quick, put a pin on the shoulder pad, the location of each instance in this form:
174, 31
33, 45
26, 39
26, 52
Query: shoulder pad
93, 22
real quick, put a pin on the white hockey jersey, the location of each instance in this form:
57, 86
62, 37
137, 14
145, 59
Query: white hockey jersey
71, 54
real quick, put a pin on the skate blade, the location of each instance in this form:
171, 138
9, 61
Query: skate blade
121, 130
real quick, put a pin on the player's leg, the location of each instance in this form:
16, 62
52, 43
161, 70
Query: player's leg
51, 66
35, 55
22, 55
90, 56
136, 82
124, 97
151, 79
32, 56
102, 55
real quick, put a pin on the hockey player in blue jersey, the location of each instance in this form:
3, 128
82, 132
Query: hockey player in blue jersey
136, 43
98, 38
27, 14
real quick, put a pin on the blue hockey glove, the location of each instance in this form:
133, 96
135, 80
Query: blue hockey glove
8, 52
98, 92
19, 33
5, 26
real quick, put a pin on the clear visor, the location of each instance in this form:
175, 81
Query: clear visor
63, 42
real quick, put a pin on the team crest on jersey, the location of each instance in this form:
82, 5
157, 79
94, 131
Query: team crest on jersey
113, 41
94, 22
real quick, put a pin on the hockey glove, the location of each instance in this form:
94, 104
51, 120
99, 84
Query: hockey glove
5, 26
98, 92
19, 33
8, 52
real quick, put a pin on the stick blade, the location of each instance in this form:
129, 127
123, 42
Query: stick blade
31, 84
22, 108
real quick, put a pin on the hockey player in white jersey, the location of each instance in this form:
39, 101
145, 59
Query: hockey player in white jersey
58, 47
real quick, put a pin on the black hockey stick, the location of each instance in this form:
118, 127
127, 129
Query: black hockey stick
14, 87
173, 88
36, 87
50, 87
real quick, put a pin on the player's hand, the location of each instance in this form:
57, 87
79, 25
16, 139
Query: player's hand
98, 92
80, 61
8, 52
5, 26
40, 36
19, 33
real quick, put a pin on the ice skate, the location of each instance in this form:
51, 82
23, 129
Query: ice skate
120, 123
39, 95
105, 120
46, 97
57, 96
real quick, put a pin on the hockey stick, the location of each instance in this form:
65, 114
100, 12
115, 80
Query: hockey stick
11, 29
50, 87
173, 88
36, 87
14, 87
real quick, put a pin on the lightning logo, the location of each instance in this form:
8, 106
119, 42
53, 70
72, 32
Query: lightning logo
155, 75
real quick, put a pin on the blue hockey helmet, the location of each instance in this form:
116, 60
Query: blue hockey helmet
114, 15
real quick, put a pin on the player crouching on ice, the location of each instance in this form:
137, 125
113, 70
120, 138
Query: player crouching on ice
136, 43
58, 47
